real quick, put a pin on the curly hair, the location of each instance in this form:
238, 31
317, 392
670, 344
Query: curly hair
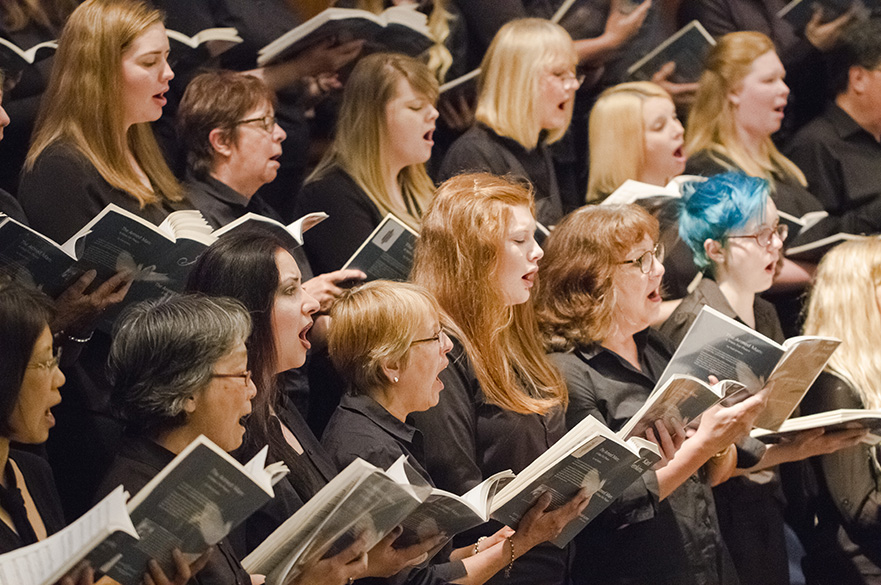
575, 300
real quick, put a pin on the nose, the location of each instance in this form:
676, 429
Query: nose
58, 381
658, 269
536, 253
776, 241
4, 118
167, 73
310, 305
446, 343
678, 129
252, 389
278, 133
433, 114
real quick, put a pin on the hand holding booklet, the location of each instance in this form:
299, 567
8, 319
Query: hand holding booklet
589, 456
192, 504
716, 345
831, 421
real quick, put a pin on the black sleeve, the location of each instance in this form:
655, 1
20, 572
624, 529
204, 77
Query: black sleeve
852, 475
486, 17
352, 218
824, 173
11, 207
59, 194
714, 15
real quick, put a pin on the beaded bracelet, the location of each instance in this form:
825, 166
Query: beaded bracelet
477, 544
510, 566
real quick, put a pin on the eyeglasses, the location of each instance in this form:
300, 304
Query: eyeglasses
266, 122
246, 376
48, 364
569, 80
764, 236
441, 332
647, 259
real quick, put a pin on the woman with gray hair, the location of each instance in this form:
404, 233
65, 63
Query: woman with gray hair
179, 369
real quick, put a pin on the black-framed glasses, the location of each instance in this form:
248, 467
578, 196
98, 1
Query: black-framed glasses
437, 337
266, 122
48, 364
246, 376
646, 260
764, 236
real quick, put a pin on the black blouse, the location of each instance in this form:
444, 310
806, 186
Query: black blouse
749, 506
353, 216
63, 192
848, 546
361, 427
137, 462
480, 149
639, 539
41, 486
309, 472
468, 439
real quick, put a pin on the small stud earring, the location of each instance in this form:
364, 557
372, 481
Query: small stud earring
396, 379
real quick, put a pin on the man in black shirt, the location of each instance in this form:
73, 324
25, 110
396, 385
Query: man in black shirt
840, 152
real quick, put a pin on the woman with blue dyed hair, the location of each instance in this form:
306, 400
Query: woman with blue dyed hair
733, 229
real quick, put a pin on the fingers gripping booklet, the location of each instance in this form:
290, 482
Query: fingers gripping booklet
191, 505
722, 347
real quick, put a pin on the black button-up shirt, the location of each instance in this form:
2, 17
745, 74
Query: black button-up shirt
467, 439
361, 427
639, 539
842, 163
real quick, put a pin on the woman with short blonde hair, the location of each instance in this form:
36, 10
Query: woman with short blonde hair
525, 98
93, 143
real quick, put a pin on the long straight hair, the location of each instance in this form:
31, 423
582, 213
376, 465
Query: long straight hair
457, 259
711, 125
359, 147
242, 265
844, 304
83, 103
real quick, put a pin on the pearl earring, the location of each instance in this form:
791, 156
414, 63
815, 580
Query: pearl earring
396, 379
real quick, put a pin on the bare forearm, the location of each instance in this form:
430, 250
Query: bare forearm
690, 457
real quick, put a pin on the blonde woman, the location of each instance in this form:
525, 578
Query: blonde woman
525, 99
845, 302
503, 402
375, 165
739, 106
635, 134
93, 144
